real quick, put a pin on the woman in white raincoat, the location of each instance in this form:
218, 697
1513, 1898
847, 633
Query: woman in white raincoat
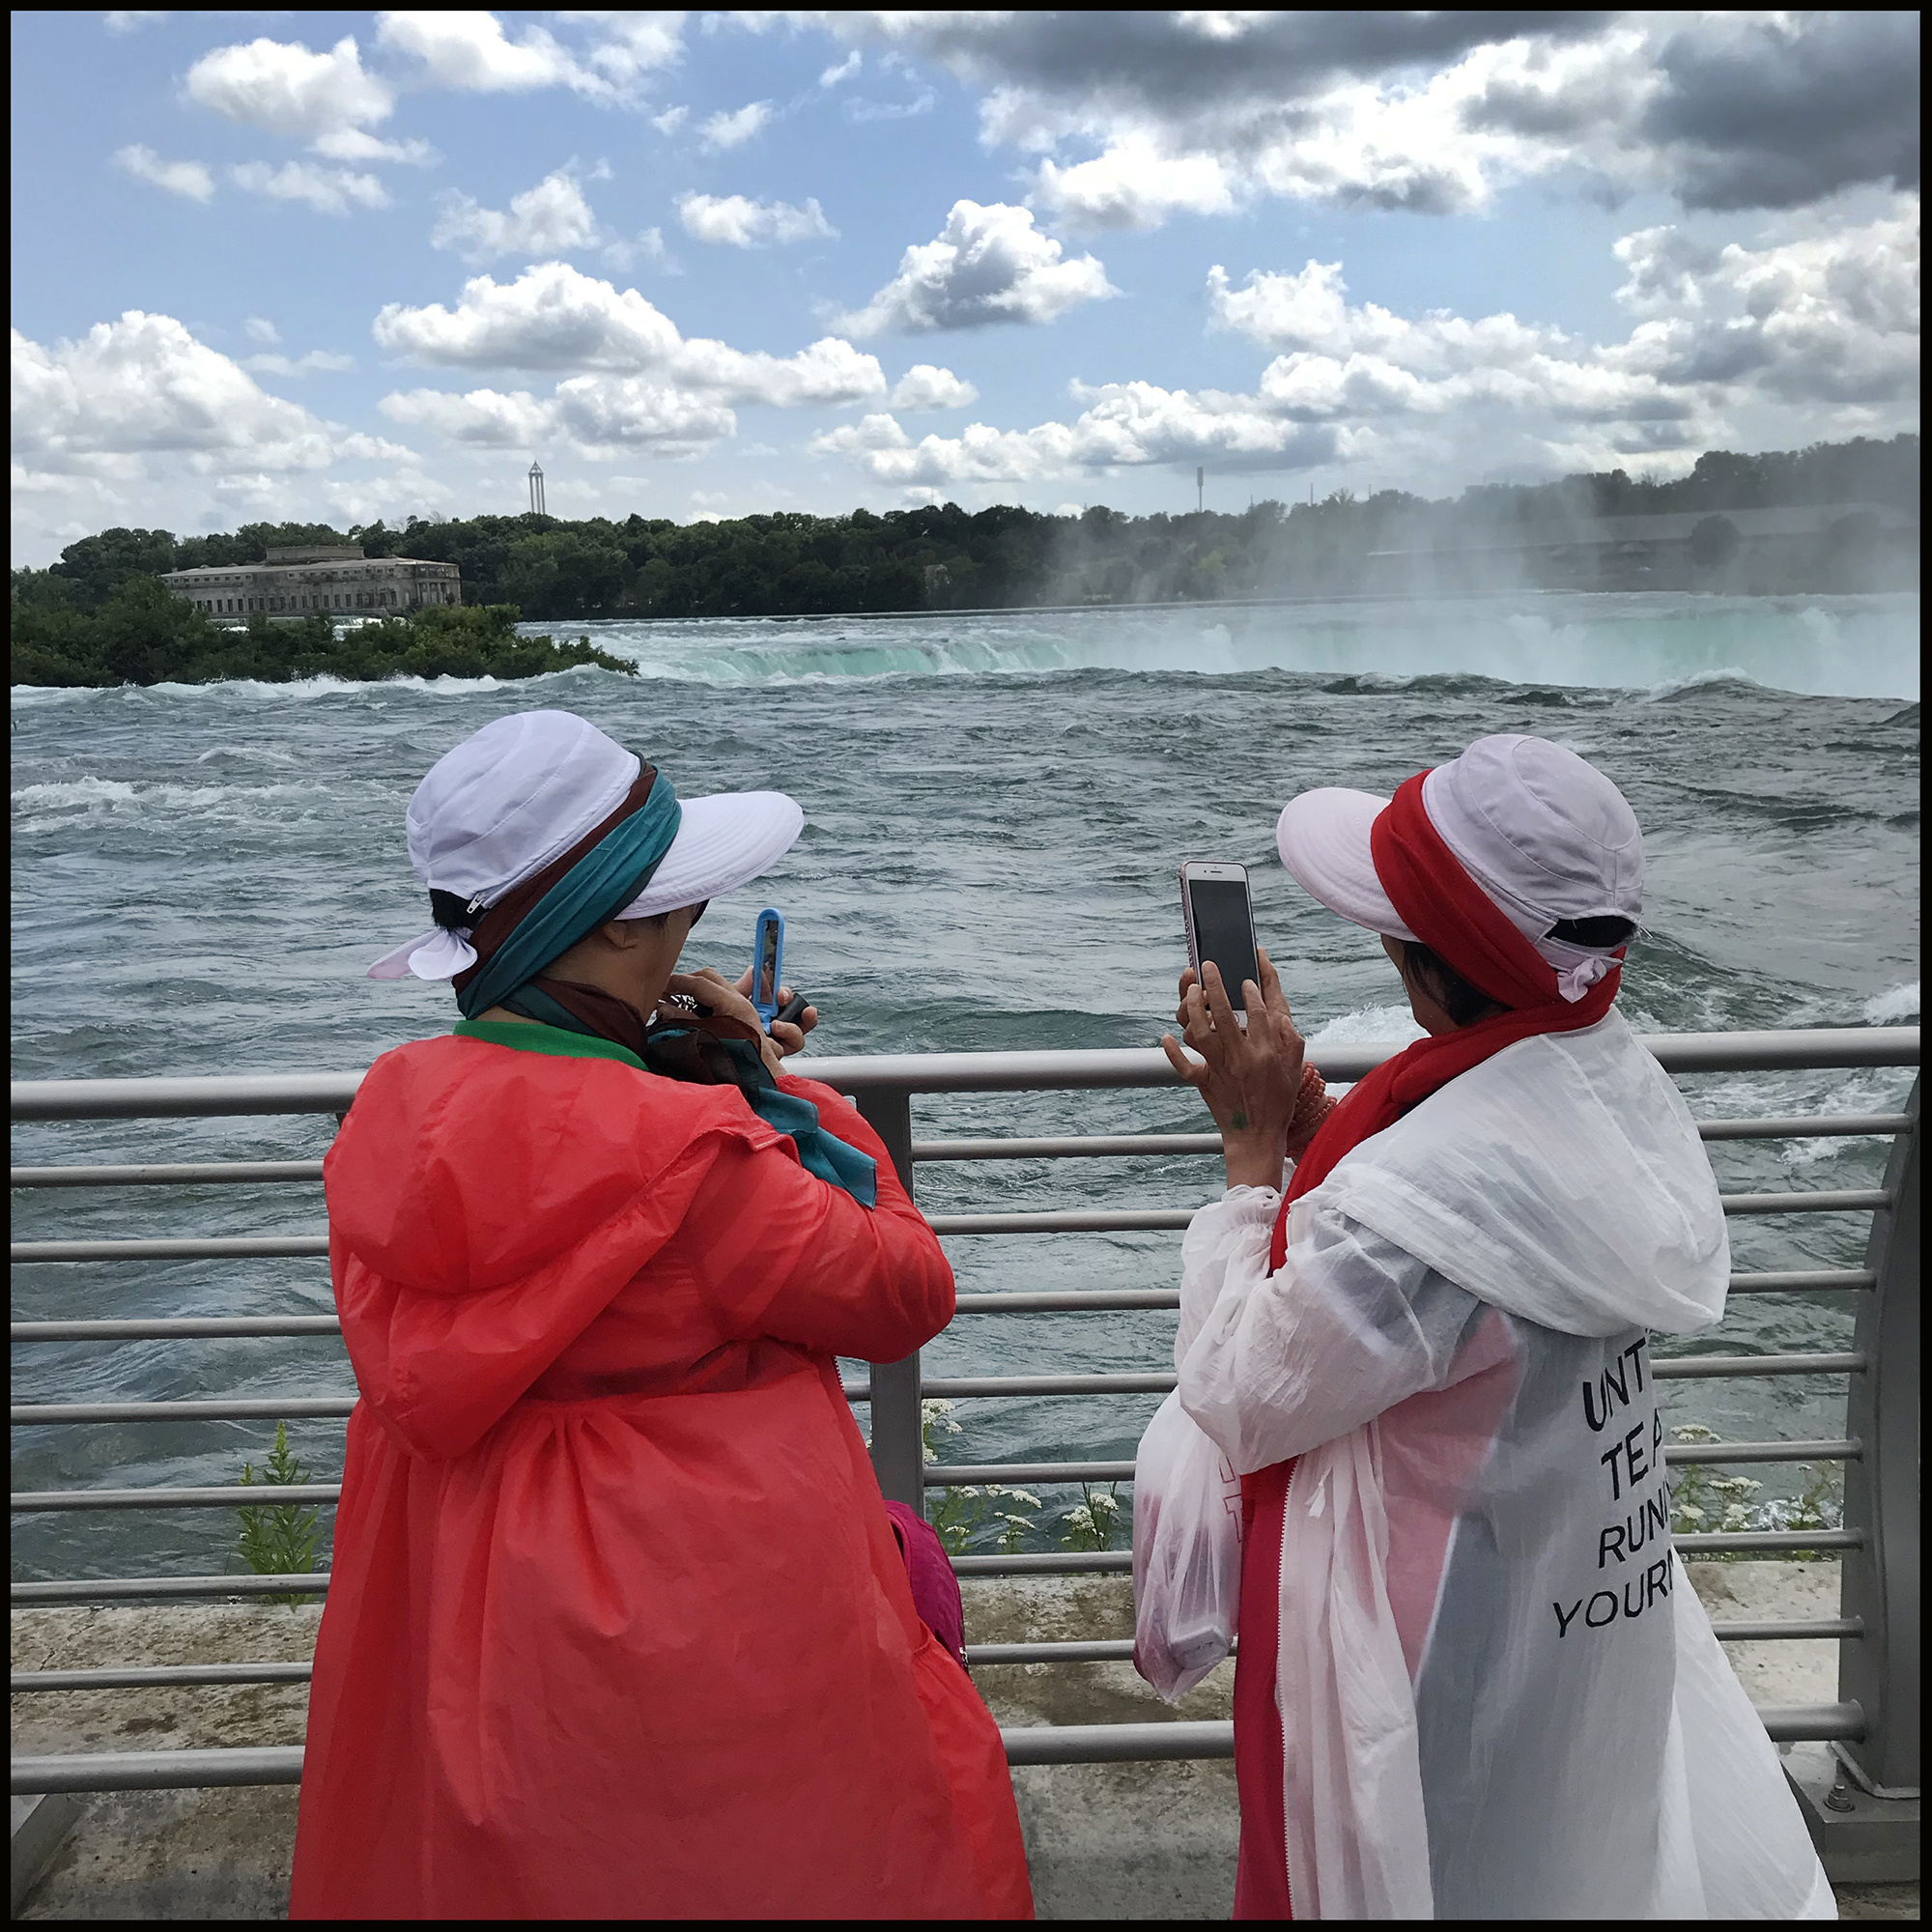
1472, 1682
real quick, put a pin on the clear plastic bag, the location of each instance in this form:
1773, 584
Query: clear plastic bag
1187, 1553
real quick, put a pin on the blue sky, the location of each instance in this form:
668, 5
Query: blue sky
341, 266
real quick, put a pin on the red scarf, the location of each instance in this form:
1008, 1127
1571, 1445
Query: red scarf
1451, 914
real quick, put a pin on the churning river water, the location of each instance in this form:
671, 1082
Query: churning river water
996, 807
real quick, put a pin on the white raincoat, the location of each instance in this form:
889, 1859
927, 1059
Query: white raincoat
1499, 1697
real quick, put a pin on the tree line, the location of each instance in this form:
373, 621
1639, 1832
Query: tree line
793, 564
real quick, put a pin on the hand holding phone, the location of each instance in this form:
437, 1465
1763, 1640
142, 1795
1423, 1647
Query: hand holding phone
1220, 924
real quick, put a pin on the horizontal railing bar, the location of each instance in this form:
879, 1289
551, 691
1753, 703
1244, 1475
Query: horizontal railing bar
1074, 1147
1843, 1451
1058, 1147
125, 1589
1774, 1633
1799, 1281
1096, 1650
1074, 1301
1073, 1563
1743, 1542
977, 1475
1066, 1147
1811, 1724
211, 1248
960, 1387
1117, 1743
265, 1408
236, 1495
159, 1677
1064, 1221
1794, 1048
1024, 1744
1803, 1281
1696, 1368
1812, 1200
177, 1328
174, 1174
178, 1099
1060, 1221
1803, 1127
160, 1771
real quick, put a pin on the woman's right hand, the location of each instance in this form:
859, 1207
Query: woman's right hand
1249, 1080
709, 987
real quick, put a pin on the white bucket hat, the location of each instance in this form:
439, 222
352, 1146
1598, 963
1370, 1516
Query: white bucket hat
1544, 833
517, 794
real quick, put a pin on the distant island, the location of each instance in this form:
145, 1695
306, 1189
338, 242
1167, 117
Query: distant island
1828, 519
139, 632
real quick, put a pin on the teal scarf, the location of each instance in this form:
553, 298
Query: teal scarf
596, 889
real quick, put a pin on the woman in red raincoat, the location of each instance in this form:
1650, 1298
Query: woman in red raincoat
618, 1625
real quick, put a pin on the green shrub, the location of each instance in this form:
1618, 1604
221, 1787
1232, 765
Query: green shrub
279, 1540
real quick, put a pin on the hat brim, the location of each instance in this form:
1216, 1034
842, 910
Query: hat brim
723, 842
1322, 837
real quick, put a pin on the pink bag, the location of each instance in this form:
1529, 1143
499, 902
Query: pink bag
935, 1588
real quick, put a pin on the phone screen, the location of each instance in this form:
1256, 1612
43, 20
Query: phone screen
1224, 931
767, 994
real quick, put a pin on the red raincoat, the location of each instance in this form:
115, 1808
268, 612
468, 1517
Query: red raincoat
618, 1626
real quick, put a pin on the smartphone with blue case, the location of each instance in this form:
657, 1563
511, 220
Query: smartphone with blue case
768, 946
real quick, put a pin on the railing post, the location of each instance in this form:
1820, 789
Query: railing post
898, 1456
1863, 1815
1880, 1580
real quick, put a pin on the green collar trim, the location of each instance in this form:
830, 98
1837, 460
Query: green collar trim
533, 1037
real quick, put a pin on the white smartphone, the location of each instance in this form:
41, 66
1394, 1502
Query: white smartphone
1220, 923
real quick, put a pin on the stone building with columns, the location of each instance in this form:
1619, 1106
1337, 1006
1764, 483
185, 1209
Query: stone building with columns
305, 579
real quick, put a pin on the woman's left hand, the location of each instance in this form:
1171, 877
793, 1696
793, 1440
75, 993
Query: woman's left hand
790, 1037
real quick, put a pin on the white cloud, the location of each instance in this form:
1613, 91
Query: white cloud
1128, 425
987, 264
351, 144
598, 416
926, 387
317, 362
471, 51
555, 317
724, 130
638, 45
1134, 185
548, 219
844, 70
375, 449
646, 245
144, 388
734, 222
190, 180
120, 22
285, 89
326, 190
261, 330
670, 120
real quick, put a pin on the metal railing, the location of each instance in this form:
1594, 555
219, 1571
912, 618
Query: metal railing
1874, 1726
